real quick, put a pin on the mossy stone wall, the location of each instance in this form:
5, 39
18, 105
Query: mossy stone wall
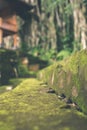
69, 77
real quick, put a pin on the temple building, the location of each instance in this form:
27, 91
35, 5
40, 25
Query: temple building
9, 10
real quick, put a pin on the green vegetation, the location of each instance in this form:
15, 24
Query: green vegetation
29, 106
13, 65
50, 55
69, 77
51, 34
8, 65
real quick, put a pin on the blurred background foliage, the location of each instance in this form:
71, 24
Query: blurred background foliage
52, 31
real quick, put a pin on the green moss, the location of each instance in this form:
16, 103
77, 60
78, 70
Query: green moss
30, 107
70, 77
4, 126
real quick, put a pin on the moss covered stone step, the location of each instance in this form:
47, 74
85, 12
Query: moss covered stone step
30, 107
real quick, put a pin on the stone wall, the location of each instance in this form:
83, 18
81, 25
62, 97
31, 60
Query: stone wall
69, 77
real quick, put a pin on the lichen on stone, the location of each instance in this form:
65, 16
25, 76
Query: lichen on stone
70, 77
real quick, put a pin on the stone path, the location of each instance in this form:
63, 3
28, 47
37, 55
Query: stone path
30, 107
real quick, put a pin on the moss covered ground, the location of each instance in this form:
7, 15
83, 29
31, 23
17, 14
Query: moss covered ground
30, 107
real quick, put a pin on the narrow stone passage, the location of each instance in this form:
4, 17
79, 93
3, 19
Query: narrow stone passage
30, 107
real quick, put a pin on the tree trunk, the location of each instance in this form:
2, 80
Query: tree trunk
80, 23
83, 26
